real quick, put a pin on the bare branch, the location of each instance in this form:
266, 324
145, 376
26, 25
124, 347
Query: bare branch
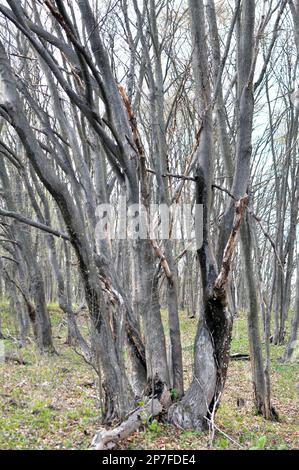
32, 223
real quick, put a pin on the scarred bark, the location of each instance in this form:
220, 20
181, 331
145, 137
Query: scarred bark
212, 342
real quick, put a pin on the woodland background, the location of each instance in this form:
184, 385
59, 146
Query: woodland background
156, 101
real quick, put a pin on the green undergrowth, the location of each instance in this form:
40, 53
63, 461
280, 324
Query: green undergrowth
52, 402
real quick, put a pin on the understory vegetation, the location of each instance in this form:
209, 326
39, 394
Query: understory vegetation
52, 402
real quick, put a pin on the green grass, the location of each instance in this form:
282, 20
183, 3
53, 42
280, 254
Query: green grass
46, 405
53, 403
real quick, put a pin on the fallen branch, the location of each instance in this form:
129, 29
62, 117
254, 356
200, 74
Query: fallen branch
258, 220
226, 435
222, 278
108, 438
163, 261
140, 151
190, 161
239, 357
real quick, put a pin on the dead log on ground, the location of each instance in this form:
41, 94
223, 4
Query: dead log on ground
108, 438
239, 357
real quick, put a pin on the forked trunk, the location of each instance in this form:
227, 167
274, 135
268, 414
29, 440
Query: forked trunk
212, 343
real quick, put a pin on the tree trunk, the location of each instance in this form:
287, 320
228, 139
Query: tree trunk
260, 389
292, 345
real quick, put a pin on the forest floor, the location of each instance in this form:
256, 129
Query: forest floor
53, 402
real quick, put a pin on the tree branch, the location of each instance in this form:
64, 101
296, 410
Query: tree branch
222, 278
32, 223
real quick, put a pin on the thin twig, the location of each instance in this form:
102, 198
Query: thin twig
172, 175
